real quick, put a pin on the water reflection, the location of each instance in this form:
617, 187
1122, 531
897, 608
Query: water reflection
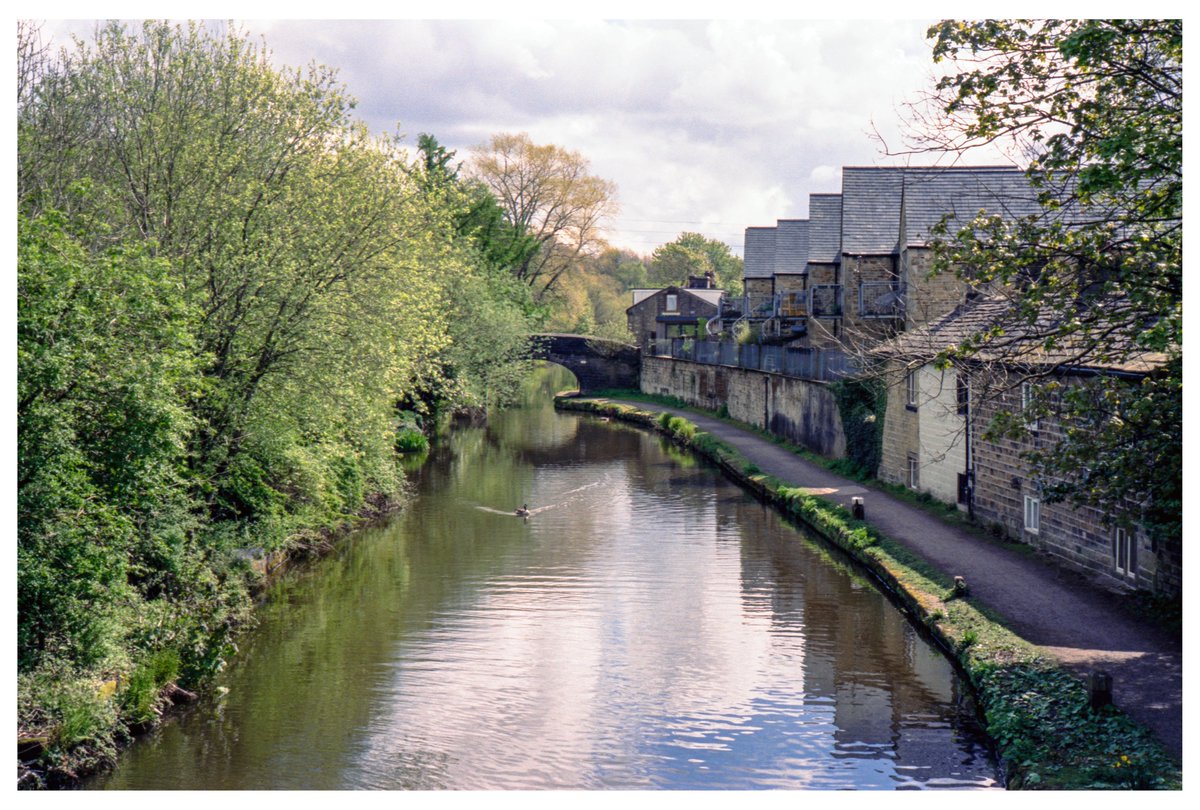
653, 628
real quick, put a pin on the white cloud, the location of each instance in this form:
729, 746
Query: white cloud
703, 125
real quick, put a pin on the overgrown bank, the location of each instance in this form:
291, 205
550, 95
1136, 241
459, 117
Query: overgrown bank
234, 305
1038, 715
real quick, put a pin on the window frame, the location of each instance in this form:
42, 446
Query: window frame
1033, 509
912, 390
1124, 552
1027, 400
672, 302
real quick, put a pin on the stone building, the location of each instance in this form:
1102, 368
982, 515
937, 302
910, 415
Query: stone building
866, 276
934, 441
673, 311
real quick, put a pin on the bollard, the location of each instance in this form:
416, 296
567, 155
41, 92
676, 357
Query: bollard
1099, 689
856, 508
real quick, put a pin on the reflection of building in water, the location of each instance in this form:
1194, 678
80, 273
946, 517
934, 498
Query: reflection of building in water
888, 690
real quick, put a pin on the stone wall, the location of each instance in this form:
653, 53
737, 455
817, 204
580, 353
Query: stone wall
759, 286
901, 430
928, 298
790, 282
1075, 535
801, 411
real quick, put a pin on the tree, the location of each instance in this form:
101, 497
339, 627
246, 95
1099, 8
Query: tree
106, 363
546, 194
313, 264
1095, 108
692, 254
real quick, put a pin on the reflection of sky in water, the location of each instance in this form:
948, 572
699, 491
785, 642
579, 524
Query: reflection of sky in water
649, 626
630, 650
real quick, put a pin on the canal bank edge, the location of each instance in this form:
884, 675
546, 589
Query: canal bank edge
69, 767
1036, 713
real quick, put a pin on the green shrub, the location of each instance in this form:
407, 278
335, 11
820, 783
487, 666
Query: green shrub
83, 715
139, 697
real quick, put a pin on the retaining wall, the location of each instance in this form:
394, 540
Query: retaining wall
803, 412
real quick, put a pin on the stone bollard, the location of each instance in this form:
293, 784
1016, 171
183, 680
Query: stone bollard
857, 509
1099, 689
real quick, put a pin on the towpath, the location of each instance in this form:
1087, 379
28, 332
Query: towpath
1072, 620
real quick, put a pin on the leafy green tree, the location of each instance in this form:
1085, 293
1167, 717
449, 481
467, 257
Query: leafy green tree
692, 254
314, 266
1095, 106
105, 367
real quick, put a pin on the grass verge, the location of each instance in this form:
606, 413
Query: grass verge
1037, 714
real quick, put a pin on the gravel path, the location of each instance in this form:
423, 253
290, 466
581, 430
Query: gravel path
1071, 619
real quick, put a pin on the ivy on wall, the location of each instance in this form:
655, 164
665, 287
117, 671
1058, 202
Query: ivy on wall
861, 405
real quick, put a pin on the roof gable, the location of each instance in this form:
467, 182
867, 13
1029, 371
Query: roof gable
871, 209
791, 246
824, 227
759, 253
961, 193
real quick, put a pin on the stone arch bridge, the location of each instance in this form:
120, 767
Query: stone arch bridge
597, 363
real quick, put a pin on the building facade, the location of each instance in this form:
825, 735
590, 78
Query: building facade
671, 312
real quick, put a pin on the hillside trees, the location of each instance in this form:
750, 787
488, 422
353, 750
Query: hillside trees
1095, 107
693, 254
490, 313
547, 193
225, 285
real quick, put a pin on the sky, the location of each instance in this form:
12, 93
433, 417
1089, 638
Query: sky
704, 125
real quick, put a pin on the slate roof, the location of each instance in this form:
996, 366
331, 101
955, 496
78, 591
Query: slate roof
758, 254
984, 312
791, 246
824, 228
962, 192
710, 297
874, 198
871, 209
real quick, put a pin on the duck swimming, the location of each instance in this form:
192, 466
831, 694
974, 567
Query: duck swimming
523, 511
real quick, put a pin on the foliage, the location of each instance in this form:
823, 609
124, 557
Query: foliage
409, 436
861, 405
1095, 106
105, 367
693, 254
547, 193
225, 286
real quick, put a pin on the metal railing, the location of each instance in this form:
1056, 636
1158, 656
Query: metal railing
824, 365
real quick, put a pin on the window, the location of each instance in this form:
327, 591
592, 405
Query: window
1124, 546
672, 303
910, 390
914, 471
1027, 403
962, 391
1033, 514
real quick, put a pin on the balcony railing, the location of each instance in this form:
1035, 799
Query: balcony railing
826, 300
880, 299
807, 364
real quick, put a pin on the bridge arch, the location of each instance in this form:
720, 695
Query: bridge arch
597, 363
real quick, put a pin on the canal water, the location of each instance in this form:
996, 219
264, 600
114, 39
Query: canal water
650, 625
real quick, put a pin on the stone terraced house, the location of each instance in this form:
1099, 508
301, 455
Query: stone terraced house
934, 441
866, 275
866, 288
